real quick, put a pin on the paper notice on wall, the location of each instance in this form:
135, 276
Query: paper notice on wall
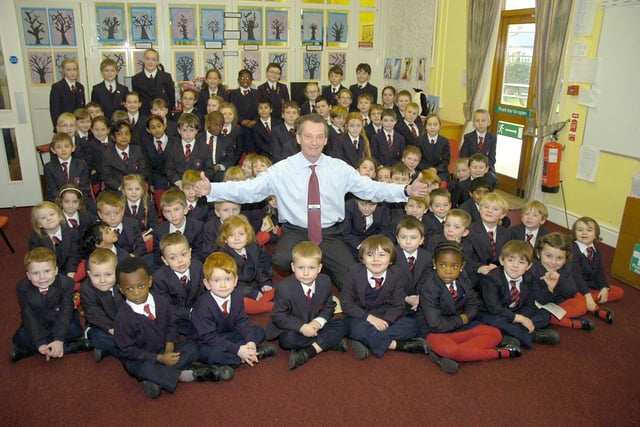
588, 97
588, 164
583, 70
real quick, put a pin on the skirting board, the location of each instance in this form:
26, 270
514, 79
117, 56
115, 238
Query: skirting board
556, 215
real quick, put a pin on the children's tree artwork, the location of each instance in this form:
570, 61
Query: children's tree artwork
212, 24
277, 26
61, 56
35, 27
338, 59
41, 67
337, 29
110, 24
119, 58
214, 60
183, 25
251, 61
143, 23
280, 58
311, 65
185, 66
250, 25
62, 27
312, 29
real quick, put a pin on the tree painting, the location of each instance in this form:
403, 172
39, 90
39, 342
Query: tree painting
61, 24
337, 31
41, 68
184, 66
338, 59
278, 27
311, 65
110, 25
252, 62
281, 60
110, 22
250, 23
183, 27
214, 60
212, 24
337, 28
312, 29
35, 27
182, 21
143, 21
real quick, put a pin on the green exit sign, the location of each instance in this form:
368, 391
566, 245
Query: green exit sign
510, 129
520, 112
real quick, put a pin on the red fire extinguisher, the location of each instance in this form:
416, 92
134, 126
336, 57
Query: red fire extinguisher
551, 167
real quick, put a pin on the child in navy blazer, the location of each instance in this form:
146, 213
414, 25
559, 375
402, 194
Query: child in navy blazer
111, 208
198, 206
488, 236
146, 336
139, 205
152, 82
100, 235
109, 93
99, 142
373, 301
220, 324
330, 92
284, 142
363, 218
237, 238
354, 144
212, 86
67, 94
533, 216
211, 229
412, 259
64, 168
387, 146
480, 140
262, 131
273, 90
303, 313
478, 188
363, 73
50, 230
101, 302
71, 201
49, 323
155, 146
436, 153
245, 100
179, 280
223, 149
189, 153
123, 158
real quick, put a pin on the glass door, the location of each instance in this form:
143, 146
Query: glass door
19, 177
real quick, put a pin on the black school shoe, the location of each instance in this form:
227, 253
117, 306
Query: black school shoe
204, 372
447, 366
605, 314
342, 346
100, 355
546, 336
152, 389
18, 354
361, 350
513, 350
79, 346
582, 323
297, 358
267, 350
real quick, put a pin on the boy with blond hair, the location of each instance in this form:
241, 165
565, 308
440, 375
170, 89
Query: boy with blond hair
111, 206
488, 236
197, 206
533, 215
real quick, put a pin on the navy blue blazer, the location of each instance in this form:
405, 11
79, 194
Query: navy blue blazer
291, 309
403, 129
422, 265
192, 231
62, 100
470, 146
54, 177
211, 327
96, 163
176, 162
50, 316
356, 92
114, 168
263, 138
161, 87
210, 235
156, 161
247, 105
591, 273
253, 272
110, 102
284, 143
436, 155
147, 218
432, 224
380, 148
305, 108
482, 249
496, 296
277, 97
100, 307
201, 210
86, 218
181, 298
470, 207
330, 96
227, 150
130, 239
204, 95
519, 232
565, 289
440, 311
353, 225
389, 305
343, 149
67, 252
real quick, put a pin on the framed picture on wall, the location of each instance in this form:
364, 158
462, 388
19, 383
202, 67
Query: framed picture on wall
407, 69
338, 59
183, 25
110, 24
280, 58
120, 57
337, 29
250, 26
312, 27
277, 27
143, 24
211, 24
252, 61
421, 70
185, 66
58, 57
213, 60
40, 68
63, 27
311, 66
35, 26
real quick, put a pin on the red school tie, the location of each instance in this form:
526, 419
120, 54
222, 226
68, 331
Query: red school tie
65, 171
225, 311
590, 252
480, 143
355, 144
134, 210
147, 309
292, 131
224, 131
412, 262
183, 281
133, 122
160, 150
211, 142
493, 244
378, 283
453, 291
266, 126
309, 296
74, 223
529, 237
110, 88
187, 152
56, 241
389, 141
414, 132
364, 223
314, 223
514, 293
117, 231
125, 158
73, 89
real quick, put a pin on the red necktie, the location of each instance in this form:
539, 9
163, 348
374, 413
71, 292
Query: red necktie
314, 223
413, 130
433, 141
190, 207
125, 158
73, 89
224, 308
65, 171
355, 144
412, 262
453, 291
480, 144
364, 223
590, 252
266, 126
245, 92
183, 281
160, 150
514, 293
147, 309
44, 293
56, 241
110, 88
244, 256
74, 223
117, 231
224, 131
133, 122
493, 244
339, 131
389, 141
378, 281
309, 296
134, 210
187, 152
293, 131
529, 237
211, 142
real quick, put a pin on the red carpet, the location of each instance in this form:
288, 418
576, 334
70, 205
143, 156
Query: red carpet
589, 379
